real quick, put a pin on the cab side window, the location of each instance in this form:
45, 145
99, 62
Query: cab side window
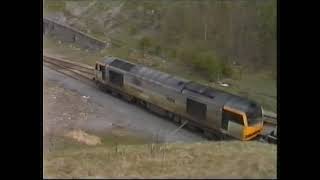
237, 118
102, 69
230, 116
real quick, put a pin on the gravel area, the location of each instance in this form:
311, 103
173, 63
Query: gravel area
72, 104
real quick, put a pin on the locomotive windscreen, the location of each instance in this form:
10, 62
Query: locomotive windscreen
254, 114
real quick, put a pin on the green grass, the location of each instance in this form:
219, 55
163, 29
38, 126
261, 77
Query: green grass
208, 159
258, 86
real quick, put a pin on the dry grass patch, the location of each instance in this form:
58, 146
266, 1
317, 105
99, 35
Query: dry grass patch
83, 137
212, 159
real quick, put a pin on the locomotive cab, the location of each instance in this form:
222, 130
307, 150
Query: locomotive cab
99, 71
243, 122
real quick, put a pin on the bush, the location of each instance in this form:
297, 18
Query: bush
227, 69
205, 62
209, 64
157, 50
132, 30
186, 54
55, 5
144, 43
173, 53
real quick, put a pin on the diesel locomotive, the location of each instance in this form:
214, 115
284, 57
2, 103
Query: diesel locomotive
214, 112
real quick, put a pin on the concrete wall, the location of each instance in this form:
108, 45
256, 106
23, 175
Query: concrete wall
71, 35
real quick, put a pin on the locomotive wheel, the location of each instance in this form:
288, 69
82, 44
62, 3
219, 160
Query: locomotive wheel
113, 93
176, 119
134, 100
208, 135
128, 98
216, 136
99, 85
170, 115
212, 135
107, 90
192, 127
147, 105
142, 103
223, 137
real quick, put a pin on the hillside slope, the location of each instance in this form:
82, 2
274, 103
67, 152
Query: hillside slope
199, 160
205, 41
242, 31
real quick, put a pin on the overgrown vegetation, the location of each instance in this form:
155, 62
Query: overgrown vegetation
234, 31
203, 40
197, 160
144, 43
54, 5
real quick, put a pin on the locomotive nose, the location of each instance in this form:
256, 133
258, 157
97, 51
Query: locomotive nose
252, 131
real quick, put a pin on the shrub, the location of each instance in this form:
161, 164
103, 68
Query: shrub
209, 64
55, 5
186, 54
132, 30
157, 50
144, 43
227, 69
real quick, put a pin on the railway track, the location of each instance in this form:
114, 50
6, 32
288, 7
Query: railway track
66, 66
269, 133
72, 68
270, 117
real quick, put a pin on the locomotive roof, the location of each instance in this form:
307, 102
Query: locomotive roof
181, 84
225, 99
219, 96
160, 77
119, 63
147, 73
243, 104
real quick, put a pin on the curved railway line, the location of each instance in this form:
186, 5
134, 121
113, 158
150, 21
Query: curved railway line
82, 71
